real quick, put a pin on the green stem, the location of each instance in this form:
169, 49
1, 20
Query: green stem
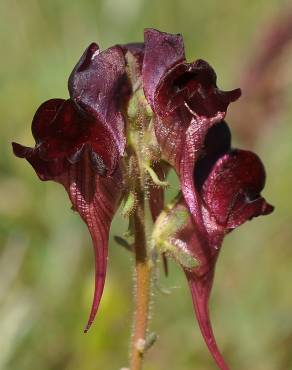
143, 285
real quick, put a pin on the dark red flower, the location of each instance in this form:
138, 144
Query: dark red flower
79, 143
186, 102
221, 186
229, 183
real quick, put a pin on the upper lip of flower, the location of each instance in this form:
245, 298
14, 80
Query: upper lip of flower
171, 83
92, 116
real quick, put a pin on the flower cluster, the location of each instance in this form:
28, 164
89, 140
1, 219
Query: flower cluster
86, 144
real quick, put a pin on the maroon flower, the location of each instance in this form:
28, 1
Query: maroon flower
221, 186
228, 184
79, 143
186, 103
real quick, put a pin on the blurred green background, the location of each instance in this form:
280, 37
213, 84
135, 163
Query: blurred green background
46, 265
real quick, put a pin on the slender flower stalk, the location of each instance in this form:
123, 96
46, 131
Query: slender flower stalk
143, 286
138, 154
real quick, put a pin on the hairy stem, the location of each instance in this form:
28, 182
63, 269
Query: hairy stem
143, 286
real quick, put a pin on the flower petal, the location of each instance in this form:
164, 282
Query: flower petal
232, 189
43, 117
188, 96
61, 129
162, 52
46, 170
192, 86
98, 84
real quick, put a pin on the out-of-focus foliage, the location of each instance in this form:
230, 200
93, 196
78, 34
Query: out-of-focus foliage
46, 265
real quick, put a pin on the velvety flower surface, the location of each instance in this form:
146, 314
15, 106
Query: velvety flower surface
179, 92
229, 183
79, 143
221, 186
186, 102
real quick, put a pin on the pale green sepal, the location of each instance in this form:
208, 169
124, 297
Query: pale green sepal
129, 204
165, 240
